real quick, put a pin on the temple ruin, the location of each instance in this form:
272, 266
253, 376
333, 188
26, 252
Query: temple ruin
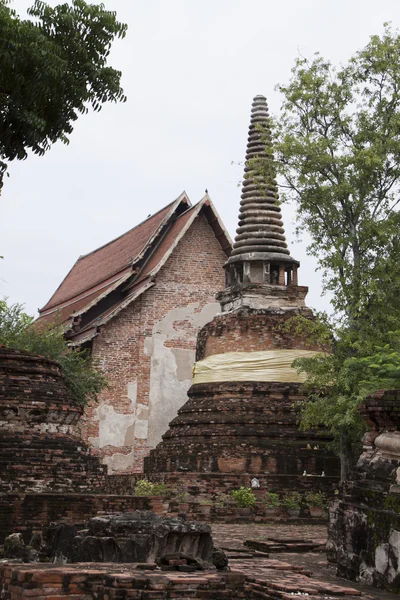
137, 304
241, 419
364, 524
77, 529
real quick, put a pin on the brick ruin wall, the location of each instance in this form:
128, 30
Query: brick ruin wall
364, 520
251, 427
46, 472
106, 582
250, 330
29, 513
148, 350
40, 449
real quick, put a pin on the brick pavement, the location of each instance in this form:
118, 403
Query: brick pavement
254, 575
281, 575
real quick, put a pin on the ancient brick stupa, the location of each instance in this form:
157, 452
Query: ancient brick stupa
240, 421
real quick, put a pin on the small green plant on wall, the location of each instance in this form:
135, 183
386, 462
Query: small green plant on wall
181, 495
222, 500
291, 501
144, 488
272, 500
244, 497
316, 499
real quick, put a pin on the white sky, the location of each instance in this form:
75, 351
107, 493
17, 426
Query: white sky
190, 70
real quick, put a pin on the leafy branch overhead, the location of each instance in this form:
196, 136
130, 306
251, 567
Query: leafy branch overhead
338, 157
52, 68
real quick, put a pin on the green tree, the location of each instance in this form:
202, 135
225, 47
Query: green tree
17, 330
338, 381
52, 68
338, 154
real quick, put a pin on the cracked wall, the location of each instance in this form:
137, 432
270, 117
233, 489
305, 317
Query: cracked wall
171, 367
147, 353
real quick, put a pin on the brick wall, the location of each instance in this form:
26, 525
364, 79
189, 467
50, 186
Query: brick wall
147, 352
27, 513
249, 330
39, 446
104, 582
246, 427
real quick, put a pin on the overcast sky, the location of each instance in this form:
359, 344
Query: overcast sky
190, 71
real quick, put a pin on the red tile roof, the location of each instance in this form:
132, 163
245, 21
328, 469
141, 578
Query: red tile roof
61, 313
168, 242
125, 266
108, 260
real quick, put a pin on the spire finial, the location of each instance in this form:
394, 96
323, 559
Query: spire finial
260, 219
260, 270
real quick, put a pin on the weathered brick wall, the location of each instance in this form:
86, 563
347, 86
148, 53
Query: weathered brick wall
28, 513
243, 427
40, 449
250, 330
200, 485
364, 521
105, 582
147, 352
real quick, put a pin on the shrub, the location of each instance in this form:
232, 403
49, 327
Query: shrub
244, 497
291, 501
161, 489
316, 499
144, 488
17, 330
181, 494
272, 500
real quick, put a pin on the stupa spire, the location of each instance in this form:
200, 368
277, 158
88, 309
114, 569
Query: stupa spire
260, 272
260, 219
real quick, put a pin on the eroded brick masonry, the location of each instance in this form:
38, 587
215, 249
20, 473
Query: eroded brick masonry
142, 330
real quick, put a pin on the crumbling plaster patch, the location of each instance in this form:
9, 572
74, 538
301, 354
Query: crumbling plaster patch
118, 429
119, 462
171, 368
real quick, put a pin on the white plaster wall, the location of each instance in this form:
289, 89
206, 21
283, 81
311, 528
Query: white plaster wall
171, 368
120, 429
170, 379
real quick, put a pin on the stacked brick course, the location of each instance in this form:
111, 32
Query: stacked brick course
251, 330
106, 582
46, 472
246, 427
40, 449
29, 513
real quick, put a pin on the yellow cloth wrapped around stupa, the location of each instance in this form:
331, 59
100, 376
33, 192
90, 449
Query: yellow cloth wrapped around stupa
265, 365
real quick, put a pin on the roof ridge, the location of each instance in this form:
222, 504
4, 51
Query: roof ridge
180, 197
168, 208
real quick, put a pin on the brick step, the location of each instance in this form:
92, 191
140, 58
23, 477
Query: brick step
272, 545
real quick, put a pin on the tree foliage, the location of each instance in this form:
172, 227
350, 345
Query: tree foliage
18, 331
51, 69
338, 154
